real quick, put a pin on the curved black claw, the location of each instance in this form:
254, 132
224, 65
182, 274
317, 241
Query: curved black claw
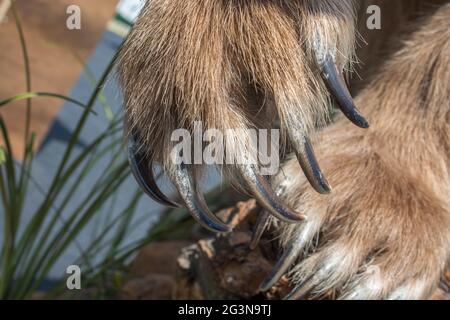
195, 202
266, 197
260, 227
142, 170
443, 285
281, 267
301, 290
308, 162
336, 84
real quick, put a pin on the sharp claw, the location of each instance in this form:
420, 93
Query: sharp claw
336, 84
443, 285
301, 290
281, 267
195, 201
267, 198
308, 162
142, 170
261, 226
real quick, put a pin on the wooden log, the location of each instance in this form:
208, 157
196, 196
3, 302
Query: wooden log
224, 267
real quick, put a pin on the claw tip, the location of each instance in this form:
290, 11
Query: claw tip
363, 123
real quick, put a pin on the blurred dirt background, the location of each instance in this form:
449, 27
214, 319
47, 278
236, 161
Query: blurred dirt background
52, 48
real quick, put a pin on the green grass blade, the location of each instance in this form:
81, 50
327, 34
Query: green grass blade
101, 97
26, 62
31, 95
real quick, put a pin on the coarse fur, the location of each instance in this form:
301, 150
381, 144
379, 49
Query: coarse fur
384, 231
223, 61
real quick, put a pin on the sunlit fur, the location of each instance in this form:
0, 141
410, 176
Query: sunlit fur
224, 61
384, 230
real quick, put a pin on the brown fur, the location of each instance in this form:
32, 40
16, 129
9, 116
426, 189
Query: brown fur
237, 63
189, 61
390, 207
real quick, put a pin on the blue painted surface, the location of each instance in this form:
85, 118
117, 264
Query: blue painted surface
54, 144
